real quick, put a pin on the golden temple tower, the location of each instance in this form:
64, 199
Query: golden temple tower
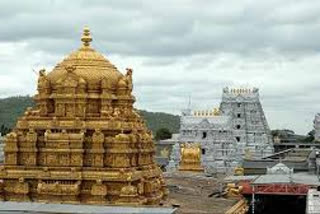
83, 142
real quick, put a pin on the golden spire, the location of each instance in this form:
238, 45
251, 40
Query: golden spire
86, 37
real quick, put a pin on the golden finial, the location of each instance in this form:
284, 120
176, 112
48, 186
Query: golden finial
86, 37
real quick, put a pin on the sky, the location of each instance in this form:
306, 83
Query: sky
177, 49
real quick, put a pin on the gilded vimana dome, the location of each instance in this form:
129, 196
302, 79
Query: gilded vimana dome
83, 142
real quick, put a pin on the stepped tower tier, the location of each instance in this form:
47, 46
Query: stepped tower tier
83, 142
249, 123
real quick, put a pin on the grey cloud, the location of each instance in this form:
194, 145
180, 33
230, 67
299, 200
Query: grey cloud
177, 49
169, 28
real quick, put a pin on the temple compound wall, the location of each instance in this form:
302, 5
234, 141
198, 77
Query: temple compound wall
237, 130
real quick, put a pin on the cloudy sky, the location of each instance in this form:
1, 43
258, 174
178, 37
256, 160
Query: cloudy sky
177, 48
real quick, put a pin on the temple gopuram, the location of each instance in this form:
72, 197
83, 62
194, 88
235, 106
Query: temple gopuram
83, 142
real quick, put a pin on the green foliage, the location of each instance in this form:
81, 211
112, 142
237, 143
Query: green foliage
163, 133
283, 133
310, 137
10, 109
289, 135
158, 120
4, 130
13, 107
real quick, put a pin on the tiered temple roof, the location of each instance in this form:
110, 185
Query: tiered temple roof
83, 142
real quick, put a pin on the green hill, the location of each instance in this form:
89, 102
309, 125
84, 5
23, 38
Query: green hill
157, 120
13, 107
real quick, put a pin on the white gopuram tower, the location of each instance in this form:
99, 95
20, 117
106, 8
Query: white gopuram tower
250, 127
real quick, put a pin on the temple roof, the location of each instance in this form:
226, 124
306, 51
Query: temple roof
279, 168
212, 120
88, 64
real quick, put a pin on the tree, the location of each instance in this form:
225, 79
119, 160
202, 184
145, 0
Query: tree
310, 136
4, 130
163, 133
282, 133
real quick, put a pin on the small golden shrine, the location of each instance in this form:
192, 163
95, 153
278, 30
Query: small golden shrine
190, 157
83, 142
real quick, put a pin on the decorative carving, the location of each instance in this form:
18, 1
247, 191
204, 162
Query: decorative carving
107, 112
21, 187
116, 113
98, 137
239, 171
1, 191
31, 138
164, 188
43, 82
129, 194
58, 188
106, 85
233, 190
129, 78
99, 189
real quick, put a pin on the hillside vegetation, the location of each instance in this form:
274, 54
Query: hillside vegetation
13, 107
158, 120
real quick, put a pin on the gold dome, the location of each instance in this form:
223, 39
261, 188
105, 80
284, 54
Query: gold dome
88, 64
